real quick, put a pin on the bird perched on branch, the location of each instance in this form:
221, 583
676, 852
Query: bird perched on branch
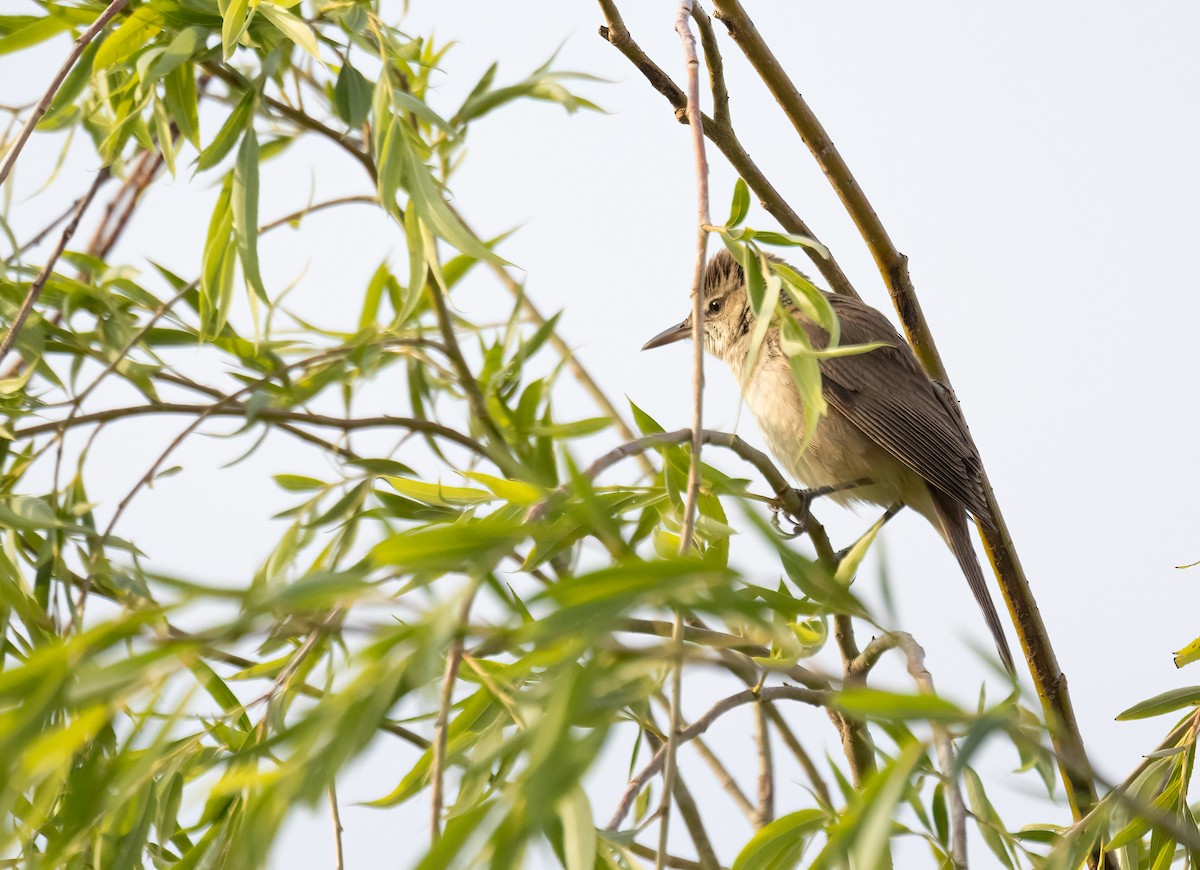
887, 423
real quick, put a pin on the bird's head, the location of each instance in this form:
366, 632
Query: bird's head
727, 315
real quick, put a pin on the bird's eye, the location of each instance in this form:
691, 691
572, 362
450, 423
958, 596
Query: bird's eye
714, 307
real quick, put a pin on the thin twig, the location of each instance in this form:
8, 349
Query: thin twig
747, 696
316, 207
915, 657
669, 860
564, 350
669, 770
339, 860
441, 724
44, 103
724, 777
118, 358
437, 766
789, 498
137, 186
697, 129
857, 745
35, 289
794, 746
766, 767
499, 450
724, 137
231, 408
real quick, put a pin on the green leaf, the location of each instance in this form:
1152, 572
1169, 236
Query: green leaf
291, 26
391, 160
780, 844
741, 204
216, 275
1167, 702
351, 96
33, 32
806, 374
863, 830
477, 545
986, 817
244, 201
579, 832
235, 18
1188, 654
883, 706
299, 483
437, 494
179, 95
233, 128
848, 565
646, 424
143, 24
221, 693
516, 492
425, 195
414, 237
180, 50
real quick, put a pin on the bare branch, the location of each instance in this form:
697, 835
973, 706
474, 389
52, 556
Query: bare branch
55, 83
915, 657
440, 726
339, 859
724, 137
35, 289
697, 318
316, 207
748, 696
231, 408
810, 770
790, 500
766, 767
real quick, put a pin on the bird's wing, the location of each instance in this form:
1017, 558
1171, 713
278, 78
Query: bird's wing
887, 395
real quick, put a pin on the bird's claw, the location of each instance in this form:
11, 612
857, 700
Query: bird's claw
792, 505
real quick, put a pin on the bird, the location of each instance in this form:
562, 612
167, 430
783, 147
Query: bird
888, 426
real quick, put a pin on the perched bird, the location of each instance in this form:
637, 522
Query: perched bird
887, 422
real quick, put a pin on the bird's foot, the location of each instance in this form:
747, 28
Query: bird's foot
792, 505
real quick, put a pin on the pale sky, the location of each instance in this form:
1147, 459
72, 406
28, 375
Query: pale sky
1036, 164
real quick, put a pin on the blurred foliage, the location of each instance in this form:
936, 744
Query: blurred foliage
469, 592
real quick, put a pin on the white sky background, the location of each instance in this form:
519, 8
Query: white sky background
1038, 167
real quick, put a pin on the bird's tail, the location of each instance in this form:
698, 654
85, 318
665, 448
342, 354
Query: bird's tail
953, 521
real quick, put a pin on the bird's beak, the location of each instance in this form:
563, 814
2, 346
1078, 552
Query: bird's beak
670, 336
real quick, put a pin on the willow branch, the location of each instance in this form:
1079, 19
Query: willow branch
316, 207
726, 140
300, 119
564, 350
48, 97
696, 125
789, 498
1051, 683
915, 659
748, 696
805, 760
35, 289
267, 415
857, 745
669, 860
766, 766
339, 858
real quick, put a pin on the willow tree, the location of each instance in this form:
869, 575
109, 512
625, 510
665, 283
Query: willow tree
452, 575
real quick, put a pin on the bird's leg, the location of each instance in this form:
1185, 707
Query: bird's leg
793, 504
